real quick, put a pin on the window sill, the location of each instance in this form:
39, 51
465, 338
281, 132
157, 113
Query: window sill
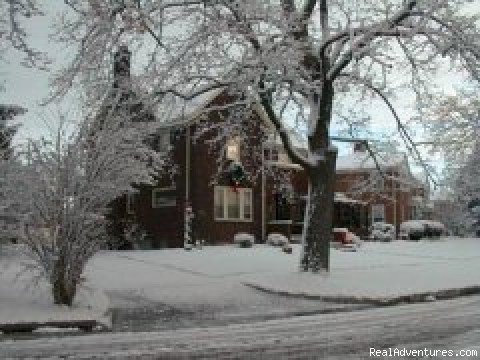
280, 222
234, 220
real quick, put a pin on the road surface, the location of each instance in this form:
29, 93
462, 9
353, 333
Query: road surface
449, 325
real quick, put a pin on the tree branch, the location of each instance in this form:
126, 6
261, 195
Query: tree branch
411, 146
383, 28
266, 109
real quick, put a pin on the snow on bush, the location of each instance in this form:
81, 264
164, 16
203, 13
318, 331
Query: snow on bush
436, 225
416, 229
277, 239
412, 225
244, 239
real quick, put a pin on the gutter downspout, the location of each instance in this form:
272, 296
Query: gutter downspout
187, 165
188, 214
263, 196
395, 202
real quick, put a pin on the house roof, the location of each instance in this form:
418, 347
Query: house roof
174, 111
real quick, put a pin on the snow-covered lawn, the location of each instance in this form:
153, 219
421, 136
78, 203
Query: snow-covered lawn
215, 276
386, 271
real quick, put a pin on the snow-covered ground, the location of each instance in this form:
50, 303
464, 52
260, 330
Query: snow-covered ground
25, 298
386, 271
214, 277
210, 275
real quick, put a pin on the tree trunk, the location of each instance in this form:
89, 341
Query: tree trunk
318, 221
63, 290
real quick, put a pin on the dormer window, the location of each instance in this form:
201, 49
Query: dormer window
233, 149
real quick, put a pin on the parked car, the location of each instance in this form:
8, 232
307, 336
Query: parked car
417, 229
382, 231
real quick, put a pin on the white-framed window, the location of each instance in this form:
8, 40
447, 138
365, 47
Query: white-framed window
378, 212
377, 182
233, 204
164, 197
232, 149
130, 203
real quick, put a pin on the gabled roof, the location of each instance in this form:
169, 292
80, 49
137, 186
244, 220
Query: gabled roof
174, 111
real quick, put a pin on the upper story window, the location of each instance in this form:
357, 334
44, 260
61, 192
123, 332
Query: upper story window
270, 154
233, 149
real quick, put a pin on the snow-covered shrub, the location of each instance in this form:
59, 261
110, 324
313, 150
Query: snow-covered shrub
414, 229
434, 228
277, 239
60, 199
382, 231
244, 240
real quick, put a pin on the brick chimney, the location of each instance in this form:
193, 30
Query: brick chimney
359, 146
121, 67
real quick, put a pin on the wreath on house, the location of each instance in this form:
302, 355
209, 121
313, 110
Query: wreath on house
236, 174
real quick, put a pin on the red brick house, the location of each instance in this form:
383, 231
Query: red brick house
395, 197
224, 199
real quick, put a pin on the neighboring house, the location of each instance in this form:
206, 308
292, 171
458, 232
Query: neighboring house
450, 211
392, 197
421, 208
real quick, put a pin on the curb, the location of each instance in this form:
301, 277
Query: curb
377, 301
28, 327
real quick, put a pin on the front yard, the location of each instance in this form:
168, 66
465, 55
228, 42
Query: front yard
212, 280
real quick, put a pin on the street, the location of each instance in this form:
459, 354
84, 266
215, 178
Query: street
449, 325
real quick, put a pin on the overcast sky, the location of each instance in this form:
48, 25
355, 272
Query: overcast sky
28, 87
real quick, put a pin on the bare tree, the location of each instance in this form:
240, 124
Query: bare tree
13, 34
454, 128
295, 62
59, 192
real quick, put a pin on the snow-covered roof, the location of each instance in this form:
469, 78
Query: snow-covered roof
175, 111
419, 180
363, 161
